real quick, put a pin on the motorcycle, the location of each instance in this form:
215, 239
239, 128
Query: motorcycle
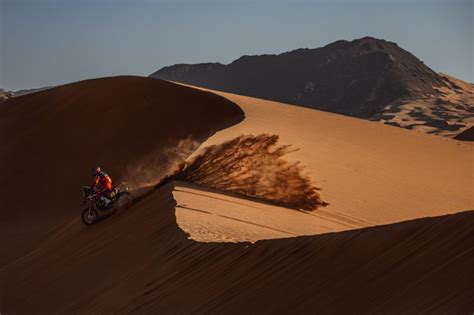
101, 207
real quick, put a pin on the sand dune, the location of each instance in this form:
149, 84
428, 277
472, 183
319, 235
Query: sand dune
448, 113
133, 127
393, 239
211, 215
375, 173
141, 261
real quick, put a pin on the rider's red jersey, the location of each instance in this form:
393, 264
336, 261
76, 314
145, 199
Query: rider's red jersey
103, 182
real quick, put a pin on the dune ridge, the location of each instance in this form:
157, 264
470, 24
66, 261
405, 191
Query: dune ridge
51, 139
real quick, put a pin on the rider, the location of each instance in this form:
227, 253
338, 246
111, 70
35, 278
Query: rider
102, 185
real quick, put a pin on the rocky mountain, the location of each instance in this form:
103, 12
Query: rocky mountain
356, 78
365, 78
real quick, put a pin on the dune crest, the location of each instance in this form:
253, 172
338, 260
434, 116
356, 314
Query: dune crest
133, 127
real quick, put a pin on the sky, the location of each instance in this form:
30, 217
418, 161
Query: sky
52, 42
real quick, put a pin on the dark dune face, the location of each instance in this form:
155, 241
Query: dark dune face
254, 166
128, 125
355, 78
419, 266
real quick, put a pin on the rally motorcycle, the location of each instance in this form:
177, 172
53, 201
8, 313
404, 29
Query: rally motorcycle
101, 207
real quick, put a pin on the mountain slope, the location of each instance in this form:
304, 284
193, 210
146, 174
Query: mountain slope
354, 78
365, 78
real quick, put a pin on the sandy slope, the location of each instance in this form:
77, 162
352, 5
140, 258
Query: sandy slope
375, 174
128, 125
447, 114
140, 261
214, 215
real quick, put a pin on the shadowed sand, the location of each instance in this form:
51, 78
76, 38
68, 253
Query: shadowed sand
448, 114
142, 262
136, 128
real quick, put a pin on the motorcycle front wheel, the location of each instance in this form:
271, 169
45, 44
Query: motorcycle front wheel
89, 216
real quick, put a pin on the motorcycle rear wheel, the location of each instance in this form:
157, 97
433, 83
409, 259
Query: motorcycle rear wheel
89, 216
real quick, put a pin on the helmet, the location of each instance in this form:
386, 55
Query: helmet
95, 171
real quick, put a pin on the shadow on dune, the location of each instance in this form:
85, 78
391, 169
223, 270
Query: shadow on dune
466, 135
135, 128
409, 267
254, 166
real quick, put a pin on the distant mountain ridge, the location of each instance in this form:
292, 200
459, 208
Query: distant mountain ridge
9, 94
29, 91
362, 78
4, 95
356, 78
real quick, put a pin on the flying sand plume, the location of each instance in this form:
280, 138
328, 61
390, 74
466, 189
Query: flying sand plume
254, 166
150, 170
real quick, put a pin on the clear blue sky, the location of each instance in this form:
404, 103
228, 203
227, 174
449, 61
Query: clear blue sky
50, 42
